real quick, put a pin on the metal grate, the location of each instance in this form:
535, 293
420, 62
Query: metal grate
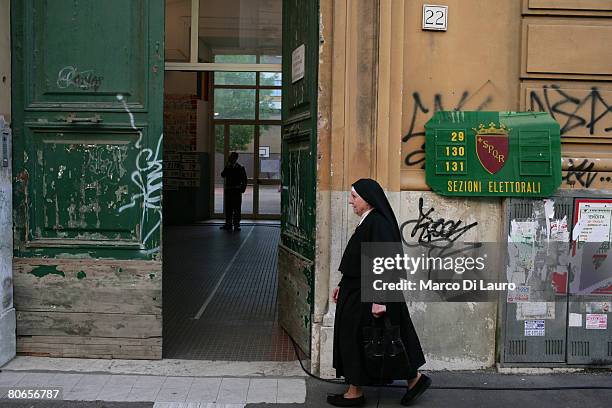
563, 208
517, 347
580, 348
521, 209
554, 347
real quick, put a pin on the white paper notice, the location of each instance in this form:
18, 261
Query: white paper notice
596, 321
535, 328
535, 310
298, 63
549, 208
521, 294
523, 231
559, 231
595, 221
575, 320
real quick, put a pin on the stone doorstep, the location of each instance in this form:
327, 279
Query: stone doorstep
165, 367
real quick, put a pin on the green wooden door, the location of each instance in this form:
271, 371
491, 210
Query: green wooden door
87, 119
299, 139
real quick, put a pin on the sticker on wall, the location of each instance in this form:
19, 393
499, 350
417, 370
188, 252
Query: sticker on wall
559, 280
523, 231
598, 307
520, 294
575, 320
559, 231
535, 310
596, 322
535, 328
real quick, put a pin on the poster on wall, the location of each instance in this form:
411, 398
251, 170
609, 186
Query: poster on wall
535, 328
596, 322
591, 258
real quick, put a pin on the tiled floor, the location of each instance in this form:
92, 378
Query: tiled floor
234, 274
164, 391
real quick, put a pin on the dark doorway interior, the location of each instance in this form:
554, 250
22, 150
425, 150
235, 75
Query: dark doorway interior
220, 289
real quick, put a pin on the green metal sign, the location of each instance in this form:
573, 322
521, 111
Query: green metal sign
502, 154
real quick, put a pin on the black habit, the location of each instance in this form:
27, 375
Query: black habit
352, 315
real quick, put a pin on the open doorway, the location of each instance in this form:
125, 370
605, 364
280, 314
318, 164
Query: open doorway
222, 94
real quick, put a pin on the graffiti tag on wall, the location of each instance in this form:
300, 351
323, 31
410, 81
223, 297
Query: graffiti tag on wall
582, 111
71, 77
148, 179
422, 110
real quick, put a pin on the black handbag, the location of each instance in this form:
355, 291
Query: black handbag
385, 355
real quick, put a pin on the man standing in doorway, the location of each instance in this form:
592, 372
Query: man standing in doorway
235, 182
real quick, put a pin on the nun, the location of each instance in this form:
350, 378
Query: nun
377, 224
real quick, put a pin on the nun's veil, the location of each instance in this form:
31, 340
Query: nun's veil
374, 195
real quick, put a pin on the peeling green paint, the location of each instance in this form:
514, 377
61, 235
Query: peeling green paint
81, 275
44, 270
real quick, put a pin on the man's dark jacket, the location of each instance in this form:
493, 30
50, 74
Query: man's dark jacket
235, 177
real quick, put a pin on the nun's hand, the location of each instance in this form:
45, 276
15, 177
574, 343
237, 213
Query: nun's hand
378, 310
335, 294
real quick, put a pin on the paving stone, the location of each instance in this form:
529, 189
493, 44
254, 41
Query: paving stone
123, 380
36, 379
149, 381
178, 382
204, 390
65, 381
262, 390
98, 380
172, 395
114, 393
291, 391
89, 393
8, 379
143, 394
233, 391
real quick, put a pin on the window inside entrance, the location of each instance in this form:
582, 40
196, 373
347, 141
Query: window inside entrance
247, 117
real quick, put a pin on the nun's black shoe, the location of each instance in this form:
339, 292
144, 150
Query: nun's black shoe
415, 392
339, 400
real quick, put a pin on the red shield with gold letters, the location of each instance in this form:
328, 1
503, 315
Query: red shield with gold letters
492, 151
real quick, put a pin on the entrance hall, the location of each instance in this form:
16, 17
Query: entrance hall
220, 294
220, 287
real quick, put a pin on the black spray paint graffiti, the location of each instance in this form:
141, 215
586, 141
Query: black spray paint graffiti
570, 111
580, 173
417, 157
71, 77
429, 231
437, 237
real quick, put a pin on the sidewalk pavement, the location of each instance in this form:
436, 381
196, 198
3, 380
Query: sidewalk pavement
163, 391
511, 398
103, 390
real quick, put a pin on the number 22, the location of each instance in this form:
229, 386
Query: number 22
430, 14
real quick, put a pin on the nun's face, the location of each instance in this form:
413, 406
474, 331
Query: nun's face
359, 204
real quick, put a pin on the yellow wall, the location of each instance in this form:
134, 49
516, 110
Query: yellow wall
474, 65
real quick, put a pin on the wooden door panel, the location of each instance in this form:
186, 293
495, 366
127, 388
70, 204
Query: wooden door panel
87, 113
298, 174
80, 184
86, 53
